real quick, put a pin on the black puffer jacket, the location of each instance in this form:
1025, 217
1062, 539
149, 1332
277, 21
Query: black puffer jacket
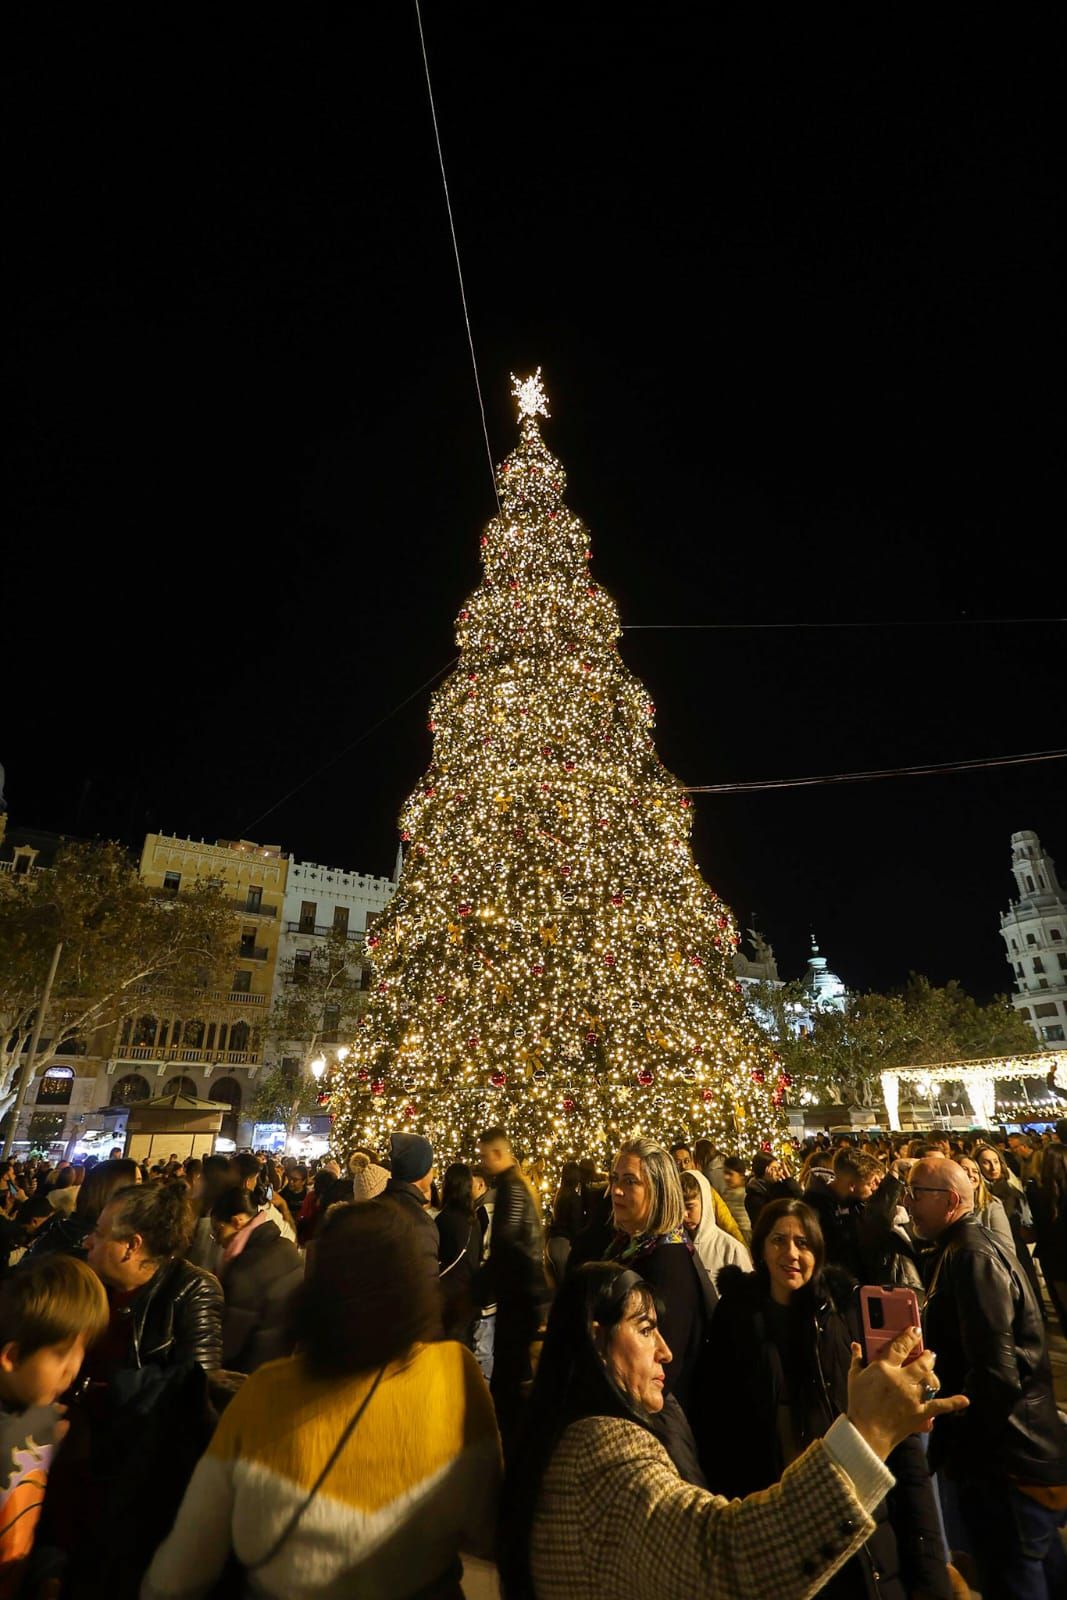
983, 1320
742, 1386
259, 1285
177, 1316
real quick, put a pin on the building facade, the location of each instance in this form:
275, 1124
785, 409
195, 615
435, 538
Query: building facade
1034, 930
323, 900
216, 1054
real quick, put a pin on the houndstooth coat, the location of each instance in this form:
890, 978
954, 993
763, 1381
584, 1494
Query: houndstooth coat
615, 1518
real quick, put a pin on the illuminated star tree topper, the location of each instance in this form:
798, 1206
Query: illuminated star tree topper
530, 393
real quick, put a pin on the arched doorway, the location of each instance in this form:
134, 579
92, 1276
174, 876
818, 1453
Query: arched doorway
229, 1090
182, 1086
129, 1090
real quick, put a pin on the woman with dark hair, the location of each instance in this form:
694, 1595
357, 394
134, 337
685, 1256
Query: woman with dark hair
361, 1465
164, 1311
595, 1505
776, 1379
260, 1273
459, 1251
67, 1235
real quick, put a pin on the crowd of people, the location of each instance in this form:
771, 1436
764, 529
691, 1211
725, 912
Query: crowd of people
242, 1375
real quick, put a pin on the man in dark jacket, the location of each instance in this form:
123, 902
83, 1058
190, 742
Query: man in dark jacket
513, 1277
1003, 1461
839, 1206
408, 1192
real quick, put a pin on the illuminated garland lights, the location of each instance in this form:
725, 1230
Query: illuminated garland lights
552, 959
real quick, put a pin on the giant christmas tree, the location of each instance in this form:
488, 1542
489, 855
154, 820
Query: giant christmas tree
552, 959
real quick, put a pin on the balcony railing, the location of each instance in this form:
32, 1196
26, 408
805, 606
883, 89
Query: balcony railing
130, 1056
237, 997
253, 953
247, 910
321, 929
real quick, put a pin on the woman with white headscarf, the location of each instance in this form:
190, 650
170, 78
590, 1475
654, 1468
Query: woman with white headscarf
713, 1247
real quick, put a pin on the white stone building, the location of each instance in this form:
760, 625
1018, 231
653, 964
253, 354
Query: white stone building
1034, 930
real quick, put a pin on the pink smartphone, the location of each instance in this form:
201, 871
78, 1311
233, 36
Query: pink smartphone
887, 1312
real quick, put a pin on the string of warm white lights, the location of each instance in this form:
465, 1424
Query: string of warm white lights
552, 958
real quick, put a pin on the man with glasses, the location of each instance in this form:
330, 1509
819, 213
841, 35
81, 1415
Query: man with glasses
1002, 1463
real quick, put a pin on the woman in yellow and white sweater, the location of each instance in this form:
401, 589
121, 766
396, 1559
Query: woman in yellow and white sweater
362, 1465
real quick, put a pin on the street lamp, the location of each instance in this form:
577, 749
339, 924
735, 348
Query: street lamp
318, 1067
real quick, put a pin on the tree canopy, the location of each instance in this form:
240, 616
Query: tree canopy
127, 949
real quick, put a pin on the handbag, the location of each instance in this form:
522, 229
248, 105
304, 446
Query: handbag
230, 1581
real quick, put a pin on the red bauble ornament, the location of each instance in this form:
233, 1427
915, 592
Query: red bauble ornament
590, 1039
569, 1105
464, 910
373, 940
786, 1081
591, 589
568, 766
513, 583
645, 1077
609, 960
362, 1074
616, 899
440, 998
705, 1094
405, 836
498, 1079
464, 615
378, 1086
686, 800
409, 1111
430, 792
696, 961
383, 985
564, 872
484, 540
432, 727
537, 971
758, 1075
472, 1042
546, 751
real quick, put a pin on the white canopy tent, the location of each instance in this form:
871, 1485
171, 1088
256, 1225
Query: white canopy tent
978, 1078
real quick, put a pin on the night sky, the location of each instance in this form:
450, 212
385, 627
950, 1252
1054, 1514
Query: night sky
798, 302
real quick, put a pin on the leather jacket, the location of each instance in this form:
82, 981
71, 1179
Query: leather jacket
514, 1270
984, 1322
177, 1316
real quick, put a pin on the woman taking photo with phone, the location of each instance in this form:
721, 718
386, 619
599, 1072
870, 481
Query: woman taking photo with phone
776, 1378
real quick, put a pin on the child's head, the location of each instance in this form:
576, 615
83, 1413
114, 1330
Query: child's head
50, 1311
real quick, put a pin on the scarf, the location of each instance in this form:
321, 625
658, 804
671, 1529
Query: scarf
624, 1248
242, 1236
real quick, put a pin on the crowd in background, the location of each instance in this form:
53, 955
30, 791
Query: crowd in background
285, 1379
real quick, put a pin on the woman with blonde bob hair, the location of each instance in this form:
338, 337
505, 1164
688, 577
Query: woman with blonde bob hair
648, 1212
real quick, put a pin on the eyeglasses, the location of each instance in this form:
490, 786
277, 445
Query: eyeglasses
911, 1190
782, 1241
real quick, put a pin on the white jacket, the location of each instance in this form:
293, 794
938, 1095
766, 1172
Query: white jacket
713, 1247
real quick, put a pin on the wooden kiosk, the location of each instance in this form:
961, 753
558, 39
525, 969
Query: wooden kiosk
175, 1124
